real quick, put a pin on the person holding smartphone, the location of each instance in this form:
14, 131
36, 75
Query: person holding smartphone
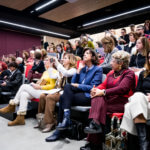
48, 102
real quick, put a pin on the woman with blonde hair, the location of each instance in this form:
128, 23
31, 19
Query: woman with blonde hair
137, 111
47, 102
109, 48
28, 92
109, 97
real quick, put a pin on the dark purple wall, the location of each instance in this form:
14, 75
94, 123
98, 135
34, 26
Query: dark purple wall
11, 41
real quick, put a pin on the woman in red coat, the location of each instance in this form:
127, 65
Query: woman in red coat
109, 97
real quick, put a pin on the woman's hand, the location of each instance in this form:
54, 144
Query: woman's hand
3, 84
96, 92
75, 84
36, 72
136, 69
81, 65
148, 96
36, 86
56, 62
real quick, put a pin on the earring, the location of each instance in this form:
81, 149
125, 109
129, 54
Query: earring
120, 67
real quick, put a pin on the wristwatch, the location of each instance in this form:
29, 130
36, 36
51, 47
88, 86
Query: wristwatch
104, 92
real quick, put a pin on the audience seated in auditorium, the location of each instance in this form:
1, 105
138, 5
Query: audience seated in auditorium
47, 102
28, 92
78, 92
109, 48
13, 82
109, 97
19, 61
131, 47
137, 111
38, 67
137, 60
4, 72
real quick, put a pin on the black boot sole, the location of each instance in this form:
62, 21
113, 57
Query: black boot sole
92, 131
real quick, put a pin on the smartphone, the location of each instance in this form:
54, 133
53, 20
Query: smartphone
51, 60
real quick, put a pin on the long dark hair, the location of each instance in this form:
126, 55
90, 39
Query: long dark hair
95, 59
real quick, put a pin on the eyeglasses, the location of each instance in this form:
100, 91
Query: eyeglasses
148, 57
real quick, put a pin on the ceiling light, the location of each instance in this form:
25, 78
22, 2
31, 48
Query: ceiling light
31, 11
115, 16
44, 5
33, 28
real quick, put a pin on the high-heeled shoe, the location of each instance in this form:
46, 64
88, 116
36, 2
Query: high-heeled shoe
48, 128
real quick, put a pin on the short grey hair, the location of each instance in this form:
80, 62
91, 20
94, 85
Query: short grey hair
122, 56
19, 59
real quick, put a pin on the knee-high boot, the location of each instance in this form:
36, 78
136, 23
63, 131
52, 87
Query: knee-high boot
142, 136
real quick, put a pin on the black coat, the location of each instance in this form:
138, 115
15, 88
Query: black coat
13, 83
137, 61
21, 68
79, 51
143, 84
38, 67
128, 49
4, 74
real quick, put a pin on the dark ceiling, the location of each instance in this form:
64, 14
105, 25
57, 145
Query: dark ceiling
72, 26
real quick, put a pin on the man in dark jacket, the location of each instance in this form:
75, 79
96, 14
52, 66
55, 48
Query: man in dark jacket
14, 81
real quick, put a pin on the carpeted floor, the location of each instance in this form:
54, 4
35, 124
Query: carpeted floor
27, 138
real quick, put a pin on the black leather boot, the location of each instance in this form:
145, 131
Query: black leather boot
142, 135
66, 121
91, 146
93, 128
